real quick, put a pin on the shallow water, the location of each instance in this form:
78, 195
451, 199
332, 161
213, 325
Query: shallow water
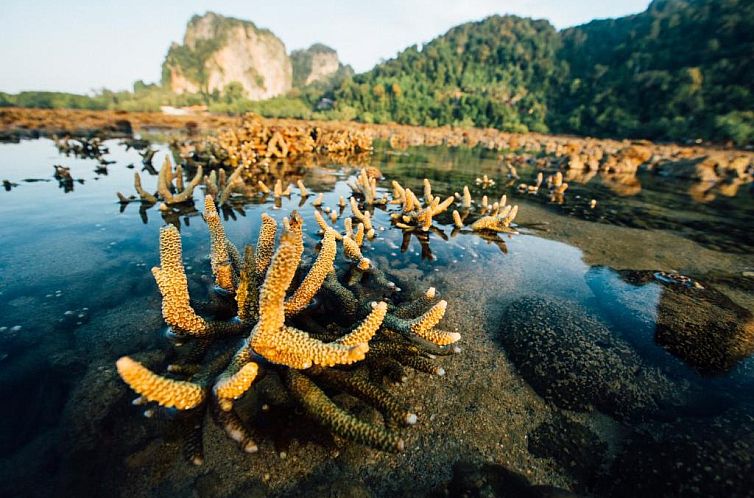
659, 376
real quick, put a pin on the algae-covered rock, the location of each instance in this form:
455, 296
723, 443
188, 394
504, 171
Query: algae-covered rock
572, 445
694, 457
491, 480
573, 360
691, 320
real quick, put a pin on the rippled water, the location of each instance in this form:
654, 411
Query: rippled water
584, 365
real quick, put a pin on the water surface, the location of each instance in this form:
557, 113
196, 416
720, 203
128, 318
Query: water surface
642, 384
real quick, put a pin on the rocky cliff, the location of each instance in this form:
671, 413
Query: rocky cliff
316, 64
218, 50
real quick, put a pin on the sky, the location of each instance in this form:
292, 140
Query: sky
81, 46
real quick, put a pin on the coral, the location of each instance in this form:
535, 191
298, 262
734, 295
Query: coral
416, 218
166, 392
365, 187
286, 328
497, 222
485, 182
176, 194
414, 215
255, 141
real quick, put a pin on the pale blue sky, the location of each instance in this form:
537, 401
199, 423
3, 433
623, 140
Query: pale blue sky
78, 46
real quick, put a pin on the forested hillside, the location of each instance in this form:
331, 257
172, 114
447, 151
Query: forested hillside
495, 72
680, 70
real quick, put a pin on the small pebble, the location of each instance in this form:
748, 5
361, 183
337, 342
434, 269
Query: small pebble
15, 328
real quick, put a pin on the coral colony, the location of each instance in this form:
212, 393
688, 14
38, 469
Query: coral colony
338, 324
283, 324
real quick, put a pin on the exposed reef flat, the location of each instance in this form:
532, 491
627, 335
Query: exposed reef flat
581, 156
481, 429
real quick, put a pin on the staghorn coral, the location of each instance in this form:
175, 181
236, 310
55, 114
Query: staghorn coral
255, 140
413, 214
497, 222
485, 182
365, 187
176, 194
416, 219
283, 326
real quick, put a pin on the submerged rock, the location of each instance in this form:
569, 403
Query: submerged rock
574, 361
573, 446
694, 457
691, 320
490, 480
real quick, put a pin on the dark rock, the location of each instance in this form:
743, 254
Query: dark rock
123, 126
341, 489
694, 457
694, 322
472, 480
574, 361
573, 446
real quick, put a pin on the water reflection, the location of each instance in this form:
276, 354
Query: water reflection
643, 200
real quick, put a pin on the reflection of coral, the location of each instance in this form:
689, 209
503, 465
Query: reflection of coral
624, 185
255, 288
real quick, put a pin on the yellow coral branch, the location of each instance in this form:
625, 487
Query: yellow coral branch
352, 251
265, 243
367, 328
324, 226
173, 284
219, 257
231, 387
316, 276
166, 392
430, 318
272, 293
296, 349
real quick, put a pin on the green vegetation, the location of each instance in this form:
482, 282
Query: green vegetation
144, 97
681, 70
51, 100
492, 73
